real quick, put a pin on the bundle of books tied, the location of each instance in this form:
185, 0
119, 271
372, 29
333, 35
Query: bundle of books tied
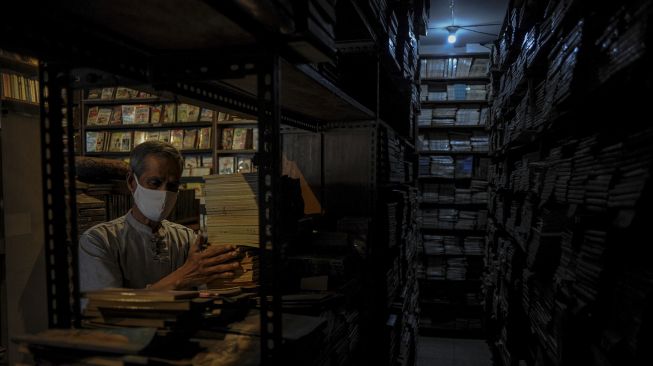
232, 218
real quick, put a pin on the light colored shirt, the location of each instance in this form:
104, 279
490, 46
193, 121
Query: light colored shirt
125, 253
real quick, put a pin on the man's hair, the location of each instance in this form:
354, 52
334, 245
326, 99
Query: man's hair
158, 148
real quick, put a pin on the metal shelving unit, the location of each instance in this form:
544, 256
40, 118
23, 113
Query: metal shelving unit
225, 57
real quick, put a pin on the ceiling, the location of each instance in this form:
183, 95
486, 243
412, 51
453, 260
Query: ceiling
466, 13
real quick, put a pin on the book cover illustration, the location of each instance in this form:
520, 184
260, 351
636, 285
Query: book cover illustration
91, 141
104, 116
115, 144
155, 113
116, 116
126, 142
177, 138
169, 113
226, 165
206, 115
240, 139
244, 165
124, 93
128, 114
193, 113
182, 112
164, 136
94, 94
140, 137
204, 138
227, 138
142, 114
152, 135
190, 137
91, 118
107, 93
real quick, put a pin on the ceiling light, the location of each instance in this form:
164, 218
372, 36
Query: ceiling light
452, 34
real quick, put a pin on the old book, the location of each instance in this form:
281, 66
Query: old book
240, 139
115, 144
164, 135
244, 165
206, 115
128, 114
142, 95
193, 113
124, 93
101, 141
104, 116
91, 118
91, 141
140, 137
169, 113
116, 116
126, 142
227, 138
177, 138
94, 94
255, 138
152, 135
204, 138
142, 114
190, 138
155, 113
107, 93
182, 112
226, 165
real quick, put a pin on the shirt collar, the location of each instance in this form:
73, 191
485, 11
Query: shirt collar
140, 227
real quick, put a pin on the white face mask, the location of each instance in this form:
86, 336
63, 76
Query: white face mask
154, 204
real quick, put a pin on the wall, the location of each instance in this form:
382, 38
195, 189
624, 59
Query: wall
26, 300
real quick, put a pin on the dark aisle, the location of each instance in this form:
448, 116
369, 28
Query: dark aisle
453, 352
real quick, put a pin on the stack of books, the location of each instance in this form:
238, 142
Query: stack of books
232, 219
90, 212
589, 265
456, 269
442, 166
165, 310
434, 245
474, 245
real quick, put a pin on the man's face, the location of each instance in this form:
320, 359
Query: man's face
160, 173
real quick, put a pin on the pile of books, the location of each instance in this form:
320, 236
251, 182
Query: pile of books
434, 245
624, 36
239, 138
442, 166
474, 245
90, 212
164, 310
232, 218
456, 269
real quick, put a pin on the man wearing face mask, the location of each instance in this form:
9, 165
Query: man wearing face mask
142, 249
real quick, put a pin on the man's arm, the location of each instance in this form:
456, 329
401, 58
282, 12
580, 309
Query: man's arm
98, 267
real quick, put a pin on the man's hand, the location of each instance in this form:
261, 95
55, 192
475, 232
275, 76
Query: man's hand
202, 266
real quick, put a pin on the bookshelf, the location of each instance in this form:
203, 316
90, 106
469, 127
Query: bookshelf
584, 170
236, 141
116, 119
453, 147
231, 57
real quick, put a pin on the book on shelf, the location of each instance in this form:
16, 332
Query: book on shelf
204, 138
107, 93
125, 93
464, 65
244, 165
177, 138
255, 138
226, 165
155, 113
141, 114
19, 87
480, 67
140, 137
152, 135
120, 142
169, 113
116, 116
94, 94
128, 114
92, 117
227, 138
164, 135
182, 112
206, 115
190, 138
240, 139
103, 116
